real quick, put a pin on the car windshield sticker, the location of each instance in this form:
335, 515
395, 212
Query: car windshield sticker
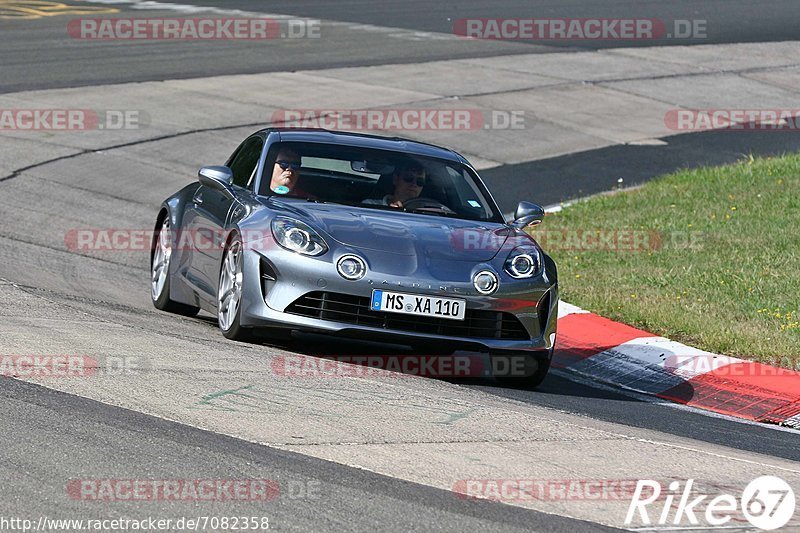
281, 189
473, 203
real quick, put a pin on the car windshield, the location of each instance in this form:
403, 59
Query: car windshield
376, 179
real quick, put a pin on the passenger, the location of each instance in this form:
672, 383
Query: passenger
408, 181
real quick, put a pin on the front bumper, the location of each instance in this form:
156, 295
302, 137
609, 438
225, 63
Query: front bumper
277, 279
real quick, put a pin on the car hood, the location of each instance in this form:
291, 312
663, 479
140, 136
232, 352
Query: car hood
399, 232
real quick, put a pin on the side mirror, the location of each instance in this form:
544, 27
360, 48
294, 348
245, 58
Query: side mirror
527, 214
219, 178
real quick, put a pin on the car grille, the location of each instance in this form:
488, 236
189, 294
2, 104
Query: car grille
477, 324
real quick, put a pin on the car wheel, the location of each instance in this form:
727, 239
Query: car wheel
159, 274
531, 377
229, 293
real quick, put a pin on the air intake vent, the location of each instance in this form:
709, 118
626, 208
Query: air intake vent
268, 277
544, 312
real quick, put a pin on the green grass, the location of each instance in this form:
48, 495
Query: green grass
734, 290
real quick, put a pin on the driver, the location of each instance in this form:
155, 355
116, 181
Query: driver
408, 180
286, 173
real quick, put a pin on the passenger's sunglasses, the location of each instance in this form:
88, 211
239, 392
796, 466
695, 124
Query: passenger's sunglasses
285, 165
411, 179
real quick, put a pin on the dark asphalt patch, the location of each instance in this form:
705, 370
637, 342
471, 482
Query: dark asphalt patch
557, 179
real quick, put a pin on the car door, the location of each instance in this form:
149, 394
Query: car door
207, 219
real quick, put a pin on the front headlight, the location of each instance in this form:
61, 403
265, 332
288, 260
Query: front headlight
297, 237
524, 262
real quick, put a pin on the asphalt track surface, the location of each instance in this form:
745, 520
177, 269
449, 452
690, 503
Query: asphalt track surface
591, 172
317, 495
52, 436
39, 54
728, 21
36, 54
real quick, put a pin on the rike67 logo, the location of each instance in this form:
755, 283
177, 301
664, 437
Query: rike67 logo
767, 503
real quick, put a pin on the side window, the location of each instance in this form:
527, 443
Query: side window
245, 160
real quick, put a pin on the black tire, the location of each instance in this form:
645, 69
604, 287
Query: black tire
235, 331
162, 301
532, 378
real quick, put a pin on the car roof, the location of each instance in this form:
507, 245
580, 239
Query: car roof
363, 140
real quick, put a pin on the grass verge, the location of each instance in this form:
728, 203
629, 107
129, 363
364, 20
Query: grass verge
709, 257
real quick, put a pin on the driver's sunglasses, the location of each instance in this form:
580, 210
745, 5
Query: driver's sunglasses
411, 179
285, 165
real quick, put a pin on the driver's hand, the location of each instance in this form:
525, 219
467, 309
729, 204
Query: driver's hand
396, 203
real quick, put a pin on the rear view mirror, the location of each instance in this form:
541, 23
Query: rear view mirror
528, 214
371, 167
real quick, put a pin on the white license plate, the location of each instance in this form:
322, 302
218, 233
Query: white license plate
418, 304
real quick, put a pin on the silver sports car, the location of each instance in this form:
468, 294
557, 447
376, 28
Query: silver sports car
360, 236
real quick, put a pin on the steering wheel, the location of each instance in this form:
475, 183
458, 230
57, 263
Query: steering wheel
422, 203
